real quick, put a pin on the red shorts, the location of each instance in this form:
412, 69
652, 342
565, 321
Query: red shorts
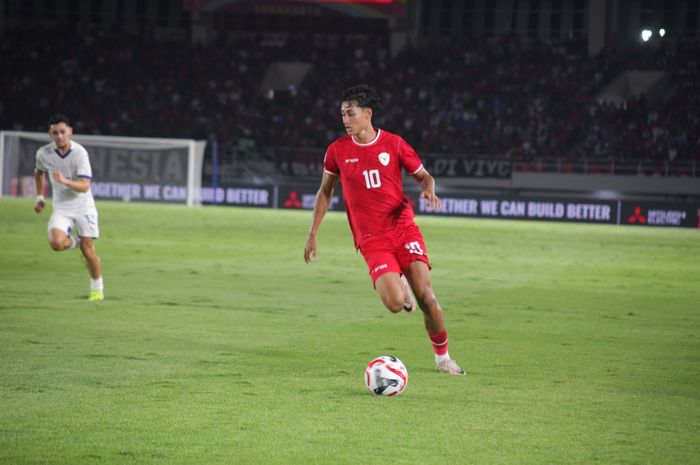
394, 251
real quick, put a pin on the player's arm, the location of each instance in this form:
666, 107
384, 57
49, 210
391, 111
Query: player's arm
427, 183
323, 201
39, 184
78, 185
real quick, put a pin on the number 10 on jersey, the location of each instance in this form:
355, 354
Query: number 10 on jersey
372, 180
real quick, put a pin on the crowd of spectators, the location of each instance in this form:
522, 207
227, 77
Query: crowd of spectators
505, 98
665, 131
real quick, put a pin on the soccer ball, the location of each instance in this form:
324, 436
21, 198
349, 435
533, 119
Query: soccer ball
386, 376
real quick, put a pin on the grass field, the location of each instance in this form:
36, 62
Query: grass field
217, 344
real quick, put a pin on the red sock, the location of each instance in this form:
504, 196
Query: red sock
439, 342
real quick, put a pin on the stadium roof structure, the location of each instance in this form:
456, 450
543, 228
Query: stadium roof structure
378, 9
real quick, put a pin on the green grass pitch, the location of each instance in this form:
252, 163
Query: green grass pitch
217, 344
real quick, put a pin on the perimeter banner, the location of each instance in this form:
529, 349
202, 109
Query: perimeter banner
594, 211
569, 210
141, 175
660, 214
240, 195
580, 211
118, 173
304, 197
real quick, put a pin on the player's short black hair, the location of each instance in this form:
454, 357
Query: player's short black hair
363, 95
59, 118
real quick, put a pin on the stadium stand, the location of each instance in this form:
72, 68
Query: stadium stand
507, 97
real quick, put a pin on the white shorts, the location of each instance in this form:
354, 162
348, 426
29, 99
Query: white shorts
84, 223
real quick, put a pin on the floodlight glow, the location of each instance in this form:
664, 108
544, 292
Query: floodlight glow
662, 32
646, 35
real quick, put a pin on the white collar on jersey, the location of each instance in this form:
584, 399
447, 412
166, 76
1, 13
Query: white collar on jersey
376, 138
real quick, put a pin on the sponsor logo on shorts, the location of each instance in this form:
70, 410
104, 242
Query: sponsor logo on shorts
383, 266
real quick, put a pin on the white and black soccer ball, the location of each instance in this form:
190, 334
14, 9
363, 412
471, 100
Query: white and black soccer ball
386, 376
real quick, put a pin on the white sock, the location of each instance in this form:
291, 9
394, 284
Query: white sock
74, 242
96, 284
441, 358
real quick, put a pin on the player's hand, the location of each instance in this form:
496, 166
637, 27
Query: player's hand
39, 207
432, 199
310, 249
58, 176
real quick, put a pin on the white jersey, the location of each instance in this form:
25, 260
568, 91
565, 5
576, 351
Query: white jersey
73, 165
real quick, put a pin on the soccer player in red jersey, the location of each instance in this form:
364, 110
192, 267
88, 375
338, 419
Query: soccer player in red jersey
368, 162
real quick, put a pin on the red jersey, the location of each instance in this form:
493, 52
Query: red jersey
370, 175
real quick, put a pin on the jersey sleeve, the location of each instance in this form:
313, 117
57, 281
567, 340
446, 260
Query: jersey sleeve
330, 164
83, 165
40, 163
409, 159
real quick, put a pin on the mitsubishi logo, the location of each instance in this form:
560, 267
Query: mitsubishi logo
293, 200
637, 217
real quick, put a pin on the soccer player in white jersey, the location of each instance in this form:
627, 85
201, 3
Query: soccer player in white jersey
69, 170
369, 162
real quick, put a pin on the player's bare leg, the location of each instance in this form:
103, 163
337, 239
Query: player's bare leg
94, 266
419, 278
60, 240
418, 275
409, 301
391, 291
87, 246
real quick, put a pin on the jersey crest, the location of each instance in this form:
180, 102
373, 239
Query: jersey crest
384, 158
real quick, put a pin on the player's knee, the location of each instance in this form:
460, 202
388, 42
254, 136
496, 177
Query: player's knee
393, 307
393, 303
56, 245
